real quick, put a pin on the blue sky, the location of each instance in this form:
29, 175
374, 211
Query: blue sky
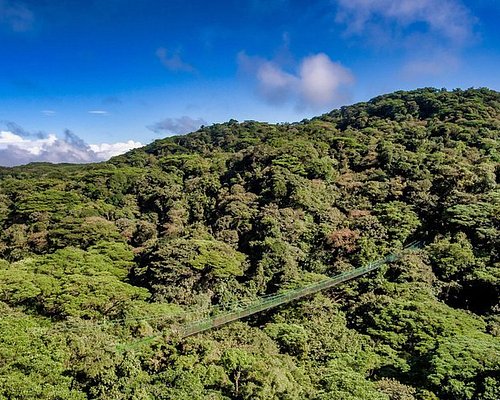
118, 73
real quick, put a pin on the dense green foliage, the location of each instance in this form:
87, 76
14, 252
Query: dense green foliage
94, 258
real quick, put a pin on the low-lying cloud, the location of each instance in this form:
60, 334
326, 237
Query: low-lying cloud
318, 82
18, 149
177, 126
105, 151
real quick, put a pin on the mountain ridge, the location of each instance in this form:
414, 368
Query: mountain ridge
236, 211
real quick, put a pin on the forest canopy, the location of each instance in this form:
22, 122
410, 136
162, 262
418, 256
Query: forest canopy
96, 258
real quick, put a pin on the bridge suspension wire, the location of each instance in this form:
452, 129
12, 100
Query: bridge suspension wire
268, 302
246, 308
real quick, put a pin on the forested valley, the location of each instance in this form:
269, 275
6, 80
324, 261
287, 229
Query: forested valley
94, 258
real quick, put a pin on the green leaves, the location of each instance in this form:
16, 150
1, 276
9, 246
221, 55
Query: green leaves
399, 219
69, 283
236, 210
452, 258
463, 366
180, 268
34, 359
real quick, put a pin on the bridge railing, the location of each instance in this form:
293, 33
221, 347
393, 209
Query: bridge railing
267, 302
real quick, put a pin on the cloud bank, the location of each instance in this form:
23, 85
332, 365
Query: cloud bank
177, 126
17, 149
105, 151
319, 82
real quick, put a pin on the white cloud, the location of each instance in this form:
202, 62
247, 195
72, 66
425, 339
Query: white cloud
98, 112
319, 82
16, 149
33, 146
173, 62
449, 19
9, 137
321, 79
275, 84
105, 151
177, 126
48, 113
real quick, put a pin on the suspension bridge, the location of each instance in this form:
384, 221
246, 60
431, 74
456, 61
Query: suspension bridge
264, 303
268, 302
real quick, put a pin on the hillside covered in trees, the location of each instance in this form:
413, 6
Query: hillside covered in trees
93, 258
